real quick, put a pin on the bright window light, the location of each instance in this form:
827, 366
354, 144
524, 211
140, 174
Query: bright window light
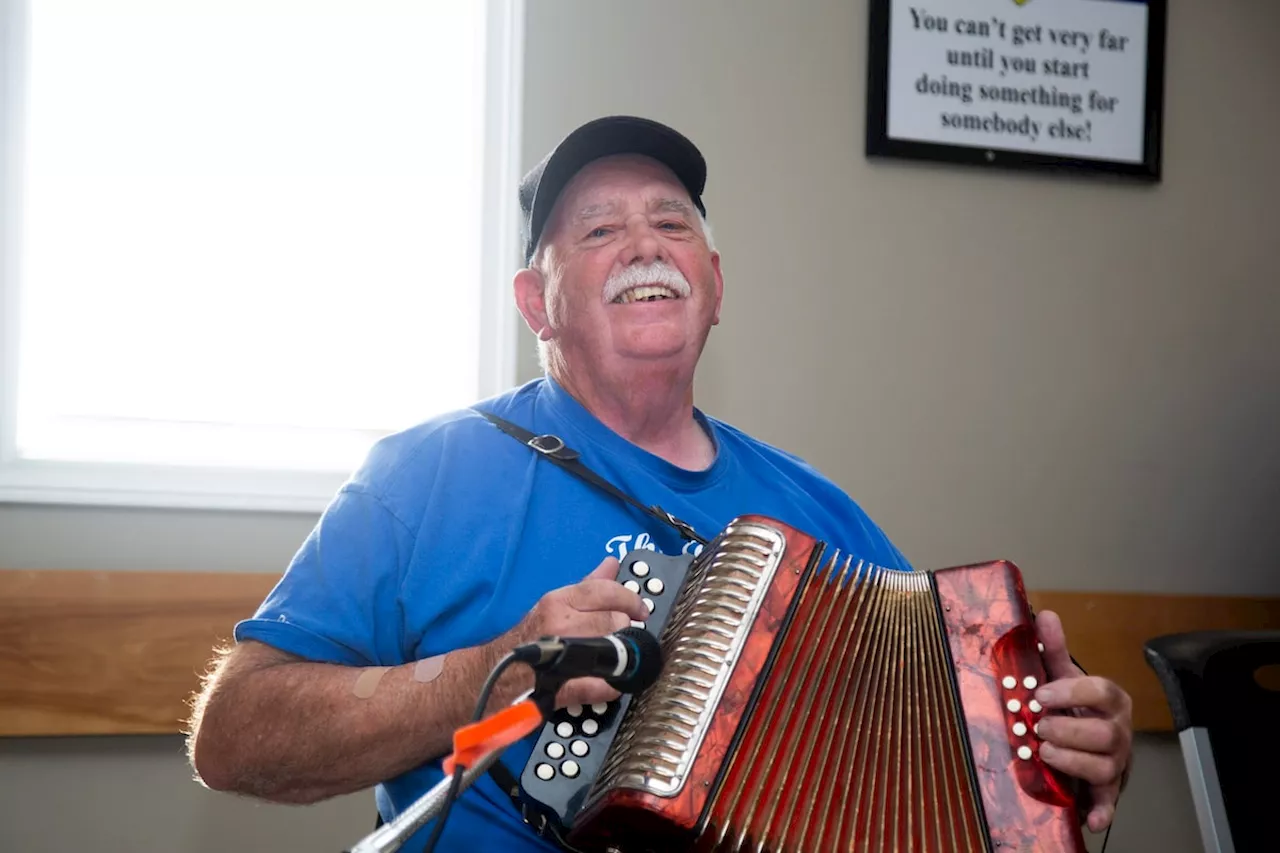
250, 232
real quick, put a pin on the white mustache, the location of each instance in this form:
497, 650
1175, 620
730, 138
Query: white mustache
655, 273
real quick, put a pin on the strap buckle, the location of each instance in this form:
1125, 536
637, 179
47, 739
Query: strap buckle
685, 528
551, 445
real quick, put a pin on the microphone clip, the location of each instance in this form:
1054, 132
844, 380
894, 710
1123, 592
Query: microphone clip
541, 656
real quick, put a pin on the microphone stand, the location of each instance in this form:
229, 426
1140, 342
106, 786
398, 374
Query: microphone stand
391, 836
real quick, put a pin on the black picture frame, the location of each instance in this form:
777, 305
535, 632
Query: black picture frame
880, 145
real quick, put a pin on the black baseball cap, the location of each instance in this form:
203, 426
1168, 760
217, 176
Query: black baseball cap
604, 137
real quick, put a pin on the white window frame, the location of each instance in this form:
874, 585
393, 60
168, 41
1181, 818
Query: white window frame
80, 483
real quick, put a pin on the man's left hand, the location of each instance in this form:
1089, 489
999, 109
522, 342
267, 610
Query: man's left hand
1092, 736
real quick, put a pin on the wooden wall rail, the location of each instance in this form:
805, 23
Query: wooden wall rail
111, 652
120, 652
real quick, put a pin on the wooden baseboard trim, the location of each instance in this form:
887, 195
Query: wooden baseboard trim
93, 653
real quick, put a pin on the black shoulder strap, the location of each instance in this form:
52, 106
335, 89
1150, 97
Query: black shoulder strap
553, 449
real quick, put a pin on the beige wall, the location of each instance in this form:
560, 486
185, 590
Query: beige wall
1081, 376
1078, 375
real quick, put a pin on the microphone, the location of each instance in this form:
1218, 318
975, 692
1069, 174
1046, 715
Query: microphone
629, 661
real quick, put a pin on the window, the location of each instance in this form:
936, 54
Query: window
244, 239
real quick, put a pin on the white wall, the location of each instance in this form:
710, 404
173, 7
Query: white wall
1079, 375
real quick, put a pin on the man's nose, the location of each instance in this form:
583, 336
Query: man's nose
643, 245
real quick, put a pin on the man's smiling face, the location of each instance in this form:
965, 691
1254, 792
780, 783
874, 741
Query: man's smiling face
629, 276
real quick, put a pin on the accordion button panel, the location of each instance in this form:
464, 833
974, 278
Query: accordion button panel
585, 735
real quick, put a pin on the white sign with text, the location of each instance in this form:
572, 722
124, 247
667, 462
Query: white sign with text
1054, 77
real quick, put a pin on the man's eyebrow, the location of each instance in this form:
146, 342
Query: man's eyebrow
594, 211
609, 208
671, 205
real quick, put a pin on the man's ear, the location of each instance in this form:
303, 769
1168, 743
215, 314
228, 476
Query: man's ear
531, 299
715, 265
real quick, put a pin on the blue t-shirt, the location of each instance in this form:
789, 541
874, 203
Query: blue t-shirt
451, 531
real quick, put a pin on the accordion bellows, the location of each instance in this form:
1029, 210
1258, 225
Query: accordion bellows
811, 702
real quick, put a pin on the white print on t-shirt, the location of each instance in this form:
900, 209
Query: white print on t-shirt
622, 545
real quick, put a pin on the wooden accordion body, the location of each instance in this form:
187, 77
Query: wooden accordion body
810, 702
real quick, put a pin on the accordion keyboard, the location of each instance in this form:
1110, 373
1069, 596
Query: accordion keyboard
571, 747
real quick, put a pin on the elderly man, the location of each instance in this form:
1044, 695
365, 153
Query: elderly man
454, 543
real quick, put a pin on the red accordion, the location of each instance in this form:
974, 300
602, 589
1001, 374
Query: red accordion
812, 702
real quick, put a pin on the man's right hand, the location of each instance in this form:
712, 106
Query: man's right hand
595, 606
275, 726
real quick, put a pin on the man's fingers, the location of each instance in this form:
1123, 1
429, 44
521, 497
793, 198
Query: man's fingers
1100, 817
585, 691
599, 594
1088, 691
1057, 660
607, 570
1086, 734
1091, 767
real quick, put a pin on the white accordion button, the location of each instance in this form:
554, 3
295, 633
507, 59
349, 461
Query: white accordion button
1029, 682
636, 624
648, 602
1040, 646
565, 729
654, 585
579, 748
590, 727
574, 710
640, 568
1009, 682
570, 767
545, 772
634, 586
599, 708
1014, 706
555, 750
1019, 729
1024, 752
1034, 706
1036, 729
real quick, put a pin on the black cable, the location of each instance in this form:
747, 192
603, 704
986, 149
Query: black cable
459, 771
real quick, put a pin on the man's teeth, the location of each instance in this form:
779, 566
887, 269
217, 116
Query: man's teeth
646, 293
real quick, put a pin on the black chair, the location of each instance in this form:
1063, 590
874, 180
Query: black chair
1223, 693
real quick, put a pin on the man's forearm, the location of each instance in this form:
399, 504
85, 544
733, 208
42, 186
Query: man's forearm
299, 732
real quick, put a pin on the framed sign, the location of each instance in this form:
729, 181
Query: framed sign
1040, 84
